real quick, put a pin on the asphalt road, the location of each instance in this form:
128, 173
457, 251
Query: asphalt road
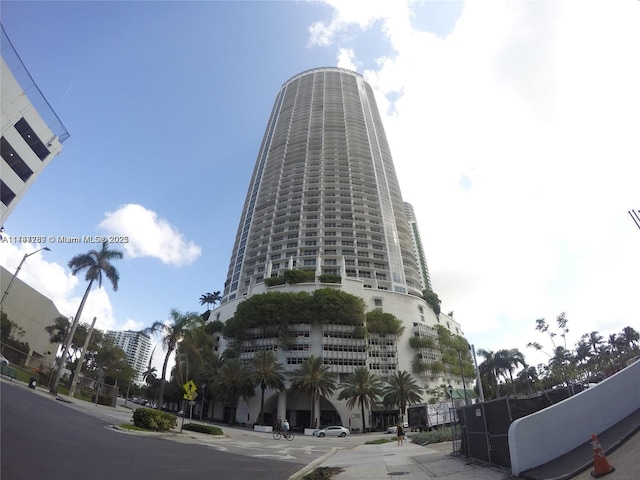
44, 438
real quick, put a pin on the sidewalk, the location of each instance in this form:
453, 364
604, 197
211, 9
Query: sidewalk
407, 462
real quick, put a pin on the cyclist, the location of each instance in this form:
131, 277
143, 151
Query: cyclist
285, 427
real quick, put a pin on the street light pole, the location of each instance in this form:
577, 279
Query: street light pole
26, 255
451, 417
475, 362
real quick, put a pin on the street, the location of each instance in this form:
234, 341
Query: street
44, 438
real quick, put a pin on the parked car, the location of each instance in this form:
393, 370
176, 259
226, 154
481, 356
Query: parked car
3, 360
331, 431
394, 428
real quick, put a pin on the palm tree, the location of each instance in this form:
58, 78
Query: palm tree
149, 375
172, 332
583, 352
595, 340
96, 263
233, 381
361, 388
402, 390
490, 370
314, 378
210, 298
508, 361
527, 375
266, 372
631, 337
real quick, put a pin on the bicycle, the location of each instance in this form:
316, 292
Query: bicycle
277, 435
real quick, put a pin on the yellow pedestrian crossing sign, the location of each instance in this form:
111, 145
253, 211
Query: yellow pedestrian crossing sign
190, 396
190, 387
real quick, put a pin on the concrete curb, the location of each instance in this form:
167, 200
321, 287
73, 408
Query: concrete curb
314, 464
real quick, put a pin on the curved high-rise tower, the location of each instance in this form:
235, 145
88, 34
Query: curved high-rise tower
324, 193
324, 197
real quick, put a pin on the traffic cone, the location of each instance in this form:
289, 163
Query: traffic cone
600, 464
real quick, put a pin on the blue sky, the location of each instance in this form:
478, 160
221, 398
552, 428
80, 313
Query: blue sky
513, 127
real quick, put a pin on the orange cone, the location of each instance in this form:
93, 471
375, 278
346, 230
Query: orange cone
600, 464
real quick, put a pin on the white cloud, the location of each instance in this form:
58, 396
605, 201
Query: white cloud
52, 281
149, 236
515, 138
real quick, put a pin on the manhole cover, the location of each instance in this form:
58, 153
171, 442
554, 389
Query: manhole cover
398, 473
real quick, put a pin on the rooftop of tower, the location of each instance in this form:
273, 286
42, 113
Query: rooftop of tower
321, 69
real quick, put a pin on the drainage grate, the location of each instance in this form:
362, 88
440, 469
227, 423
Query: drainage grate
398, 473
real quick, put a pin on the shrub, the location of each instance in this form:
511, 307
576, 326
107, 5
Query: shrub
435, 436
272, 281
379, 441
154, 420
329, 278
195, 427
299, 276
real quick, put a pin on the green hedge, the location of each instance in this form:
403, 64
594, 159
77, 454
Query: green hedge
154, 420
435, 436
196, 427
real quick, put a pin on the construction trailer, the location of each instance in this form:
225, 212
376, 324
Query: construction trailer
426, 416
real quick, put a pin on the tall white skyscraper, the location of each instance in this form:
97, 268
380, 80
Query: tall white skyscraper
324, 197
324, 192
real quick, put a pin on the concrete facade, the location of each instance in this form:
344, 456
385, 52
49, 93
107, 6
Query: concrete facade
32, 311
571, 422
32, 134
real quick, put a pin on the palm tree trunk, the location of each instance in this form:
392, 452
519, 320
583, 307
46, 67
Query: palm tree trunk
263, 388
65, 349
313, 409
164, 373
364, 426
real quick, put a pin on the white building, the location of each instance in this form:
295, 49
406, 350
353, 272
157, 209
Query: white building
137, 346
324, 197
32, 133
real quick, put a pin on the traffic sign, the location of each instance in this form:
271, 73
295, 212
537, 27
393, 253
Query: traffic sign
190, 387
190, 396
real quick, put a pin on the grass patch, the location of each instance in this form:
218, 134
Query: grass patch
323, 473
209, 429
379, 441
135, 428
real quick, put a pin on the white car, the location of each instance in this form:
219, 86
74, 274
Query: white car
332, 431
394, 428
3, 360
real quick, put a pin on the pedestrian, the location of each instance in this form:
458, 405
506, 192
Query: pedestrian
400, 433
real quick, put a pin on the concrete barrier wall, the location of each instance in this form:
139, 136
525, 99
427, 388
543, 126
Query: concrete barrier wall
545, 435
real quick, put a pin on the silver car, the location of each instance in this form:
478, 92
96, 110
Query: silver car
332, 431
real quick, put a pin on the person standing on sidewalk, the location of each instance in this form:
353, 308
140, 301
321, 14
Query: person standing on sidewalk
400, 433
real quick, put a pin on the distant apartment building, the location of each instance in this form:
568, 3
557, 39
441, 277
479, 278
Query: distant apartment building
32, 133
417, 246
137, 346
